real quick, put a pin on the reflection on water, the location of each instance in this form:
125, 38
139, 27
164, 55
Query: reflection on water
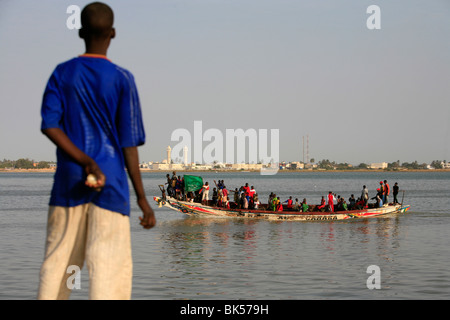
232, 258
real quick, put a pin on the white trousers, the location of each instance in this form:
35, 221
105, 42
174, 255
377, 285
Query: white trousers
90, 234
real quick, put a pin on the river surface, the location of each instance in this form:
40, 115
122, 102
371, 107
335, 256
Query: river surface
232, 258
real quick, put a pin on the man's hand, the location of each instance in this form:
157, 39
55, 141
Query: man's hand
62, 141
91, 168
131, 156
148, 220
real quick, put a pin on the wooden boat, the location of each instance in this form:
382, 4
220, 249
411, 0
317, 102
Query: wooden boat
194, 208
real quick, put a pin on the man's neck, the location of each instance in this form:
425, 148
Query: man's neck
98, 49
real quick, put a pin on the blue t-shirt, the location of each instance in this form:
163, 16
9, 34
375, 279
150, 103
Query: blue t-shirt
96, 103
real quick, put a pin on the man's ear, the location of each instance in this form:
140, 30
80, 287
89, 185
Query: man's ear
113, 33
81, 33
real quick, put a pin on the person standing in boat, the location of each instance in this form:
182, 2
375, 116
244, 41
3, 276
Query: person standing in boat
331, 201
365, 196
247, 191
236, 198
395, 192
219, 197
252, 192
224, 195
214, 197
205, 191
382, 190
269, 201
178, 188
244, 201
273, 202
387, 190
169, 185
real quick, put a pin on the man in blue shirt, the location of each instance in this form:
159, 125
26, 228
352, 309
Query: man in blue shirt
91, 111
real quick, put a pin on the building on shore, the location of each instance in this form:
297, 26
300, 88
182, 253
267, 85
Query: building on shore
381, 165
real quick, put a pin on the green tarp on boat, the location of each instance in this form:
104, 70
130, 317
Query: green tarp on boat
192, 183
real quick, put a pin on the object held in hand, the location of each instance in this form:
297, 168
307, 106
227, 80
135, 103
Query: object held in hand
91, 180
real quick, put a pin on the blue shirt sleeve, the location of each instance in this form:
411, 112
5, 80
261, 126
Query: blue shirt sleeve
52, 106
129, 116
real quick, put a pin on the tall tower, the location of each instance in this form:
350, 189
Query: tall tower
307, 148
303, 140
169, 149
185, 155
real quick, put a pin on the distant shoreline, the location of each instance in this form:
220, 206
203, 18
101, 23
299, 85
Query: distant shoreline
240, 171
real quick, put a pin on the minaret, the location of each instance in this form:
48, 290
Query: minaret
303, 144
185, 154
169, 160
307, 148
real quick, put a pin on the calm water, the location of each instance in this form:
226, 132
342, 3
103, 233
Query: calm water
208, 258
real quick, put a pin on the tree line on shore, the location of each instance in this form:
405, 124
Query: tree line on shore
24, 163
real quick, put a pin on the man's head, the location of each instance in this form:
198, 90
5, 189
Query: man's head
97, 21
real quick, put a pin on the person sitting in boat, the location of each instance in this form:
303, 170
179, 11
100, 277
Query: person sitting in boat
323, 204
360, 204
190, 197
289, 203
279, 205
339, 206
255, 201
304, 205
296, 206
342, 205
351, 202
378, 199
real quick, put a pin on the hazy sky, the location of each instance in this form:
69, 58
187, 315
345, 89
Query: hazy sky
303, 67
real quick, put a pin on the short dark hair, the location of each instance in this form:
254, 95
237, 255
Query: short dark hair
97, 19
